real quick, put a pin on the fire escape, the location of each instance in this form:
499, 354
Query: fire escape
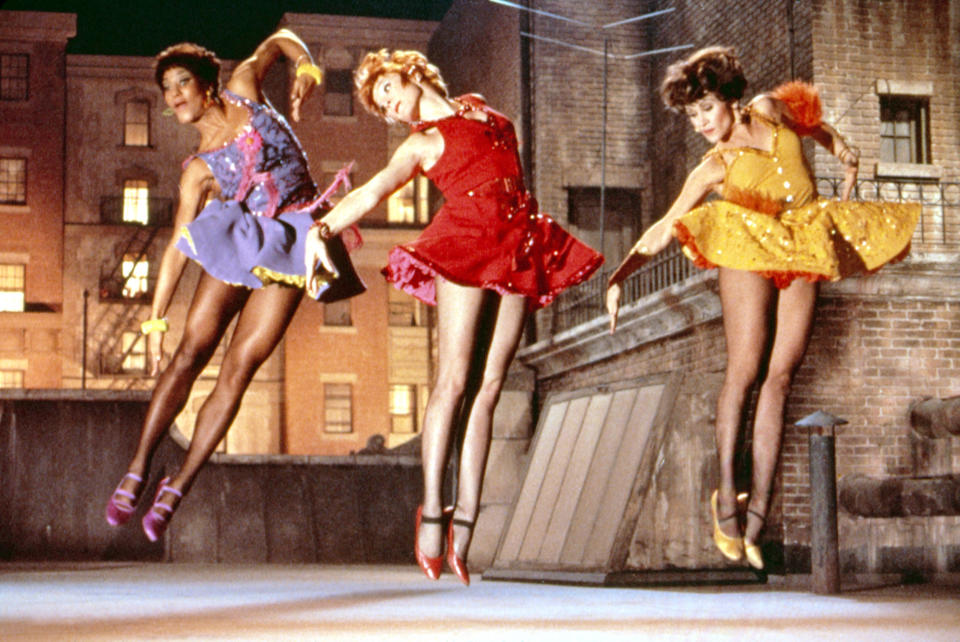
123, 289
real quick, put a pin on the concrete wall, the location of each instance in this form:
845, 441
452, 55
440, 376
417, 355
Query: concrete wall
63, 452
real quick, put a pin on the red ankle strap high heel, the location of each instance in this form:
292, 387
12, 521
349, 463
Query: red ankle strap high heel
430, 566
456, 564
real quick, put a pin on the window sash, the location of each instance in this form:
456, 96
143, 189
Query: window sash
337, 408
14, 76
135, 276
136, 202
11, 378
13, 180
338, 93
12, 287
136, 123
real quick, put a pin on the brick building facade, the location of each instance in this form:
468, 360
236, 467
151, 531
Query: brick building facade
103, 166
879, 342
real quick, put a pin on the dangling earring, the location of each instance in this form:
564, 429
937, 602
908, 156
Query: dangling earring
208, 98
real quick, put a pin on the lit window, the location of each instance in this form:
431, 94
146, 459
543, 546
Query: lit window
14, 76
337, 313
136, 202
404, 310
135, 272
136, 123
12, 287
13, 180
403, 408
11, 378
338, 88
410, 204
134, 351
904, 129
337, 407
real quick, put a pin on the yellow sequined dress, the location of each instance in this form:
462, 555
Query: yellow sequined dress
771, 221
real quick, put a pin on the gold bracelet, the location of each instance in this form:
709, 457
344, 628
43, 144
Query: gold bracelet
311, 70
154, 325
325, 232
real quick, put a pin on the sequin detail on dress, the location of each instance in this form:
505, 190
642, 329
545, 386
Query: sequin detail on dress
254, 233
771, 221
490, 232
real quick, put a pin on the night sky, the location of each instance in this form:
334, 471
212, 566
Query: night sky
232, 28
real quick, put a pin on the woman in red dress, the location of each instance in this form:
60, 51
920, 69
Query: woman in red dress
488, 254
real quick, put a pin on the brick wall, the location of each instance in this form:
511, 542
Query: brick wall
878, 343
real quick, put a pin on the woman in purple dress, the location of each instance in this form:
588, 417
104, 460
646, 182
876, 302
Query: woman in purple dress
246, 203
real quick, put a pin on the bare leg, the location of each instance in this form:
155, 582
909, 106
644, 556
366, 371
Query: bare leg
458, 311
262, 322
214, 305
508, 330
745, 298
794, 318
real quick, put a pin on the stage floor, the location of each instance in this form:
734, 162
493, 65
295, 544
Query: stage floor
197, 602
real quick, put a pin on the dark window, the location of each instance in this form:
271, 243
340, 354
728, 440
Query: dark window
904, 129
338, 85
622, 218
337, 313
337, 407
14, 76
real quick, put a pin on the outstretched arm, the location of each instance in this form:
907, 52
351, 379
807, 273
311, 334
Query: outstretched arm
195, 185
704, 178
402, 167
247, 78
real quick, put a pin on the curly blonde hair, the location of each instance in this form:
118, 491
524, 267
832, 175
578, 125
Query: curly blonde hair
714, 70
411, 65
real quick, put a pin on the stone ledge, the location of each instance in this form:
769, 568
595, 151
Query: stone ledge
660, 315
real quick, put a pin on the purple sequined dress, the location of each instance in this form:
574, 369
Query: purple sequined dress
254, 234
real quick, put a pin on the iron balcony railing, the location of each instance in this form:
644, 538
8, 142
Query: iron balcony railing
159, 211
937, 230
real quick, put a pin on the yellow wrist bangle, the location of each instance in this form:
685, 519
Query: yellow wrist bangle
311, 70
154, 325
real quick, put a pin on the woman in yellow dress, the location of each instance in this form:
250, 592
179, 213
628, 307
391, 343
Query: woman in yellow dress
772, 239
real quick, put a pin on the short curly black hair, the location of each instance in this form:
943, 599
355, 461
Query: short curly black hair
199, 61
714, 70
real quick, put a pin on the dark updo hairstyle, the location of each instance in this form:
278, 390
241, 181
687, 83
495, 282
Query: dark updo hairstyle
714, 70
199, 61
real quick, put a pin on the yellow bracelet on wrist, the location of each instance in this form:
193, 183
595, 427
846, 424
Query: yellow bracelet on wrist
311, 70
154, 325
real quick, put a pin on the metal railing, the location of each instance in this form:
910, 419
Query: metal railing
939, 228
939, 225
159, 211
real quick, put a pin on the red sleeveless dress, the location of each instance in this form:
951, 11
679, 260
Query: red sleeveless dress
489, 233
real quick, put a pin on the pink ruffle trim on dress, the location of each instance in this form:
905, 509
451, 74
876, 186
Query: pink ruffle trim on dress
415, 276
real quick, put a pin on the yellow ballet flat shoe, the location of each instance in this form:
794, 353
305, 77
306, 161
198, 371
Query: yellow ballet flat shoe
731, 547
754, 556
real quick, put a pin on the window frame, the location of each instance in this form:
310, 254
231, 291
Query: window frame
13, 284
4, 80
330, 421
334, 78
128, 124
18, 184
